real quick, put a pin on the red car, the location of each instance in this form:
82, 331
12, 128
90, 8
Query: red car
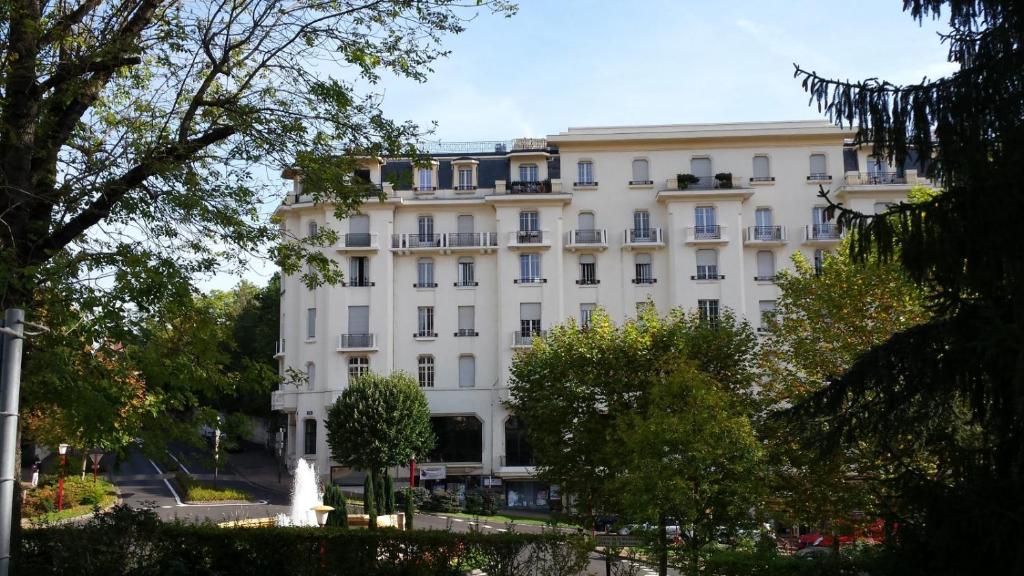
873, 533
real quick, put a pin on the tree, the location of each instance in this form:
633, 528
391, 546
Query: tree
334, 497
377, 422
370, 500
966, 364
584, 393
823, 320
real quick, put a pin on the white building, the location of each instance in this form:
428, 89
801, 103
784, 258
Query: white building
497, 241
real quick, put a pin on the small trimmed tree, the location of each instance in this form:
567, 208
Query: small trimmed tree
410, 509
334, 497
377, 422
369, 500
389, 493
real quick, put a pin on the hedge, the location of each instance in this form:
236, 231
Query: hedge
126, 541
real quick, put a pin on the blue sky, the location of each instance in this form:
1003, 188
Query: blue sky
562, 63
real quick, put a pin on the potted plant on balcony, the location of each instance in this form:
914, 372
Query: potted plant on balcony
683, 181
724, 179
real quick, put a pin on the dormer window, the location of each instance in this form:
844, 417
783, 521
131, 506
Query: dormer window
464, 174
424, 179
528, 173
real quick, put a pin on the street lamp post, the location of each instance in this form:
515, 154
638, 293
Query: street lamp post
216, 451
280, 452
63, 450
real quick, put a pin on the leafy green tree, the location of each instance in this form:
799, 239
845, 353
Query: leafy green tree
377, 422
584, 393
823, 321
954, 386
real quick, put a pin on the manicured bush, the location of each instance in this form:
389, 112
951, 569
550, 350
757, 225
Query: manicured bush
389, 494
132, 542
369, 500
443, 501
481, 502
333, 496
724, 179
78, 493
409, 509
197, 491
683, 181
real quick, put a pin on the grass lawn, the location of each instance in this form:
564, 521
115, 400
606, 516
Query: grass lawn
502, 519
196, 491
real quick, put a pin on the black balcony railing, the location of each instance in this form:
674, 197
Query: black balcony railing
885, 178
355, 341
425, 285
464, 187
818, 176
707, 232
825, 231
465, 284
424, 334
645, 280
643, 235
765, 233
588, 281
762, 178
423, 240
466, 333
765, 278
359, 282
587, 236
529, 236
641, 182
585, 184
709, 274
530, 280
528, 187
357, 239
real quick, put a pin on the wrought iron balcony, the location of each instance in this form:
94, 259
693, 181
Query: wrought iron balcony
818, 177
823, 232
523, 339
529, 239
713, 233
765, 234
588, 282
424, 334
356, 341
471, 239
530, 280
358, 283
643, 237
878, 178
645, 281
528, 186
466, 333
707, 273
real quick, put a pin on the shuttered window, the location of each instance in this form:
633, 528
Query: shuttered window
467, 371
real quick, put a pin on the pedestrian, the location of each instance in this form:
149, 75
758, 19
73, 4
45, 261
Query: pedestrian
35, 472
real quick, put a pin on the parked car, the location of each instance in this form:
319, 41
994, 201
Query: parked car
671, 528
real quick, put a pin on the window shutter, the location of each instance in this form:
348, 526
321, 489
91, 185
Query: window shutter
643, 258
640, 170
467, 371
586, 220
701, 167
707, 258
359, 224
818, 164
761, 167
465, 224
358, 319
765, 264
466, 317
529, 311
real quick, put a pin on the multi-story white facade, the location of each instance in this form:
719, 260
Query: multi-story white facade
470, 258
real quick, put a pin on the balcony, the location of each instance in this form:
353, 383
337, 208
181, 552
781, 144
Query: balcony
405, 243
760, 278
586, 239
874, 182
284, 400
522, 339
279, 349
359, 283
528, 187
357, 342
707, 273
819, 178
470, 241
640, 238
764, 235
706, 234
645, 281
357, 242
528, 280
529, 239
466, 333
825, 233
424, 335
588, 185
588, 282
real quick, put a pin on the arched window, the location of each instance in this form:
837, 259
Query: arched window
313, 228
311, 376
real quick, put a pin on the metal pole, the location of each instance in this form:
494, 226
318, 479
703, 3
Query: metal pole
60, 483
10, 388
216, 451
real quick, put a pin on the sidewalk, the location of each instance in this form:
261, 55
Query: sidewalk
258, 466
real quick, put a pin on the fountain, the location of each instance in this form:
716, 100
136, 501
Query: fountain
306, 494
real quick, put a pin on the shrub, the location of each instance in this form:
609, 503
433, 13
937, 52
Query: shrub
389, 494
443, 501
333, 496
410, 510
683, 181
126, 541
481, 502
724, 179
77, 492
196, 491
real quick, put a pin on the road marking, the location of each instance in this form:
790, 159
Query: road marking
180, 465
490, 527
167, 506
455, 519
502, 530
167, 482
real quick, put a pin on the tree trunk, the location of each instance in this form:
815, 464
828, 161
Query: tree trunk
662, 545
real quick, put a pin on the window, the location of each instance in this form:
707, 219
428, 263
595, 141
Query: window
426, 370
467, 321
518, 451
641, 172
586, 314
310, 323
459, 439
309, 436
529, 268
529, 318
528, 173
425, 228
821, 228
767, 310
761, 169
701, 168
358, 366
426, 179
644, 272
358, 328
819, 262
467, 274
313, 228
465, 178
708, 311
585, 221
642, 226
528, 221
359, 271
467, 371
425, 273
704, 217
764, 226
765, 266
310, 376
425, 322
819, 170
707, 265
358, 231
877, 166
588, 270
585, 172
